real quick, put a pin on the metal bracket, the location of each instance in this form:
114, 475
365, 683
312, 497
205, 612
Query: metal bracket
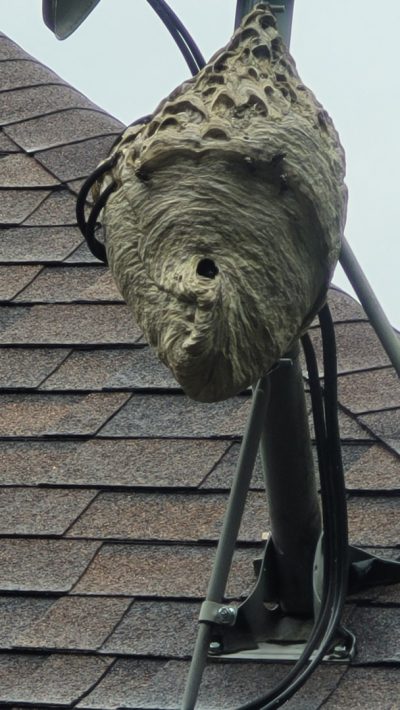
257, 629
262, 632
213, 613
368, 571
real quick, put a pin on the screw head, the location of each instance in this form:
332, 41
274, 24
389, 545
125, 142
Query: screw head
226, 615
340, 651
215, 647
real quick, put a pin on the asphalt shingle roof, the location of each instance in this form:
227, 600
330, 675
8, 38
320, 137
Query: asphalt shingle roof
113, 484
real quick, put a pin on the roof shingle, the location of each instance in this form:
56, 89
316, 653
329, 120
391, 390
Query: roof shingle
178, 571
177, 416
91, 284
33, 511
38, 244
48, 679
112, 369
55, 129
14, 278
21, 170
58, 209
47, 415
73, 623
22, 368
76, 160
67, 325
52, 566
17, 205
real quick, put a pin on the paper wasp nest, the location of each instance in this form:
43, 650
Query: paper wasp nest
226, 221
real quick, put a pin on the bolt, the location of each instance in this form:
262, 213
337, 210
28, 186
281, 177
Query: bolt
340, 651
215, 647
226, 615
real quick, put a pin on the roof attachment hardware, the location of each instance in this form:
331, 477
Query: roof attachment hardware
258, 628
214, 613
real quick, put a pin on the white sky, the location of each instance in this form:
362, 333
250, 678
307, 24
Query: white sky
346, 52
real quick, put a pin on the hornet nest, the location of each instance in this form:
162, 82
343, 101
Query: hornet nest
225, 222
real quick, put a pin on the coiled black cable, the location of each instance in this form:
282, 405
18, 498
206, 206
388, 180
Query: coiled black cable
88, 228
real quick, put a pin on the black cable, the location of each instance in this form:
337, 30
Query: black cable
96, 247
191, 53
317, 403
84, 191
334, 521
332, 424
88, 227
185, 34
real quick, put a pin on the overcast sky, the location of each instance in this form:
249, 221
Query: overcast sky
346, 52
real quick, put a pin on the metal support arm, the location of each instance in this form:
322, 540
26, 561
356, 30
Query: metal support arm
229, 534
377, 317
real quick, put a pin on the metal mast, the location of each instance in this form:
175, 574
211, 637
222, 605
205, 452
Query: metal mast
279, 419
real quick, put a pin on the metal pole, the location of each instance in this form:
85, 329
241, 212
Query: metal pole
288, 466
286, 452
229, 534
288, 469
371, 305
282, 9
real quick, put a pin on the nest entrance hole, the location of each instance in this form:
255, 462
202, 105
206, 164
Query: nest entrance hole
207, 268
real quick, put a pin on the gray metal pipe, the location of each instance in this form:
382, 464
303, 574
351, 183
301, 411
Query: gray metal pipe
293, 502
283, 10
286, 449
371, 305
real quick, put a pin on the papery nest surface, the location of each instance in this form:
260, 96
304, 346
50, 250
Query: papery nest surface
226, 222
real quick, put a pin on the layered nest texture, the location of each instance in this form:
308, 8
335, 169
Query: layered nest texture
225, 225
